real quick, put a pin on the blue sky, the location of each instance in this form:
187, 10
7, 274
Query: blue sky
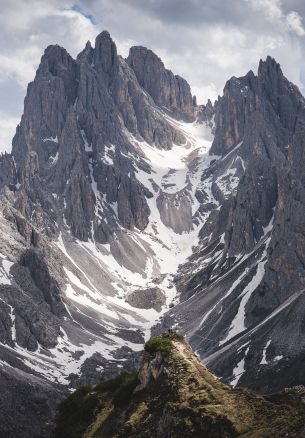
77, 8
206, 42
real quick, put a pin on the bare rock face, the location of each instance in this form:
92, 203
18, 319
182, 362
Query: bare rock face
268, 99
8, 175
167, 90
105, 56
32, 398
151, 298
176, 211
33, 260
206, 113
230, 116
150, 369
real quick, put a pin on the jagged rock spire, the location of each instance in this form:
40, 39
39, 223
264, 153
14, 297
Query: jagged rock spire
105, 53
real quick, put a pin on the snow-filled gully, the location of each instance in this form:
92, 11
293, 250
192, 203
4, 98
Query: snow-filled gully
97, 284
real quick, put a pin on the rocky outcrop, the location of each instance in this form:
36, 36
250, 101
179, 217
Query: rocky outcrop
150, 370
167, 90
176, 211
8, 175
151, 298
206, 113
33, 260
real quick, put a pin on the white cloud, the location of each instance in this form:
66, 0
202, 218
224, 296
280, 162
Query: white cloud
294, 21
19, 64
271, 8
28, 28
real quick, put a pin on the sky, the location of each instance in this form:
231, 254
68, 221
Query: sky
204, 41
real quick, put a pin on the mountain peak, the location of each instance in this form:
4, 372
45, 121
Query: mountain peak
57, 54
86, 53
105, 52
168, 90
142, 52
105, 34
270, 67
88, 45
107, 184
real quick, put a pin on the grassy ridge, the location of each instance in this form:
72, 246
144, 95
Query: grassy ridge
184, 400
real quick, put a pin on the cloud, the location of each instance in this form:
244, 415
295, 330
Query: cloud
294, 21
205, 42
271, 8
28, 27
20, 65
274, 12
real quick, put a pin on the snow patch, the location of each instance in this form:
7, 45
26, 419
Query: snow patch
239, 369
88, 148
53, 159
5, 267
53, 139
238, 323
264, 360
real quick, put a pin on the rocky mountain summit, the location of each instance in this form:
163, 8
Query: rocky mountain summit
168, 91
173, 392
126, 208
